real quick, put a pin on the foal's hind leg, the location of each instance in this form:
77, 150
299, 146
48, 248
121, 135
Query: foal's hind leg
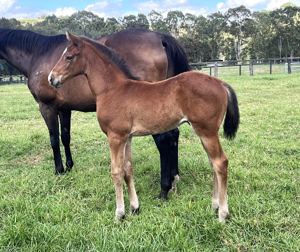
134, 203
219, 163
215, 199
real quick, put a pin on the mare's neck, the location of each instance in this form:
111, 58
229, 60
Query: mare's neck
19, 59
102, 73
30, 52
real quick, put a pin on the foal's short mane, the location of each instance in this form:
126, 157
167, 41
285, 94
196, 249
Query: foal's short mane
116, 58
29, 41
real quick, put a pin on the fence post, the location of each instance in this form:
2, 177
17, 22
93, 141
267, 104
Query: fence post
240, 70
216, 69
251, 67
270, 67
289, 66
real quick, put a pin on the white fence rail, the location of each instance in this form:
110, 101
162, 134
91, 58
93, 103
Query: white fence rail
295, 67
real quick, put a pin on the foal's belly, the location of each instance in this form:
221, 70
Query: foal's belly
155, 126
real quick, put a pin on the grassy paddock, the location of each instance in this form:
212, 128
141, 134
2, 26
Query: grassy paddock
43, 212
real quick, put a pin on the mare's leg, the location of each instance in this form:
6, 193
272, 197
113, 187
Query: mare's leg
65, 123
50, 116
117, 150
134, 202
167, 144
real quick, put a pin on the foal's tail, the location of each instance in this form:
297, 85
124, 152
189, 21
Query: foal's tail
232, 118
177, 58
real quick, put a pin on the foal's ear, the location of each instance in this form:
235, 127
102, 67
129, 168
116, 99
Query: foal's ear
74, 39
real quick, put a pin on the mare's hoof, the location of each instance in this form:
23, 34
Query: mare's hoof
163, 195
69, 165
60, 172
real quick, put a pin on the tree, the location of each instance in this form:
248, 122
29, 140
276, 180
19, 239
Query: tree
157, 22
51, 25
111, 26
142, 22
261, 45
236, 34
86, 23
195, 38
287, 28
10, 23
240, 23
216, 28
174, 20
132, 21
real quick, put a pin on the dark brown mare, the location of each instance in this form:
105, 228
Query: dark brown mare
151, 56
127, 108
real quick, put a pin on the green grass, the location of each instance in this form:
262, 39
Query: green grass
43, 212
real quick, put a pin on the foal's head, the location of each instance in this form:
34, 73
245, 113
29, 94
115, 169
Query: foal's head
70, 63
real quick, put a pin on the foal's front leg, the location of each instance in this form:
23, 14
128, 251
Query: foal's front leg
117, 150
134, 202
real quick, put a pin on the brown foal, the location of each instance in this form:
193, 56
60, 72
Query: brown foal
127, 108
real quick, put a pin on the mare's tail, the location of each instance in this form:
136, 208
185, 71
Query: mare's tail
232, 118
177, 58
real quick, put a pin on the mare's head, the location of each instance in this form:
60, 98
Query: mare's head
70, 63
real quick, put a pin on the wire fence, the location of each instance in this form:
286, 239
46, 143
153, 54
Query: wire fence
248, 67
216, 68
13, 79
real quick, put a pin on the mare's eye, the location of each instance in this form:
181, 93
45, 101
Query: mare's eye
69, 58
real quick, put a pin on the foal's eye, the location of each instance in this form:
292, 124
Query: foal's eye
69, 58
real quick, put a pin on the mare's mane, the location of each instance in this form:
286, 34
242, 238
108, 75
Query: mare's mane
29, 41
116, 58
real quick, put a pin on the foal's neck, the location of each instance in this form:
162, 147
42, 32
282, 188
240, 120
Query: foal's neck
102, 73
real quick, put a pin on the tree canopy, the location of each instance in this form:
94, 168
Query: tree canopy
235, 34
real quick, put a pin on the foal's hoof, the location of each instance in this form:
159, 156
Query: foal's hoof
135, 211
223, 215
119, 218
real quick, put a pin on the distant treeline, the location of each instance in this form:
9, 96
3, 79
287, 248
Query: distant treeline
235, 34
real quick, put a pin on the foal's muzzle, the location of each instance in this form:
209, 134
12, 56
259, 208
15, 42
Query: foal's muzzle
54, 81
